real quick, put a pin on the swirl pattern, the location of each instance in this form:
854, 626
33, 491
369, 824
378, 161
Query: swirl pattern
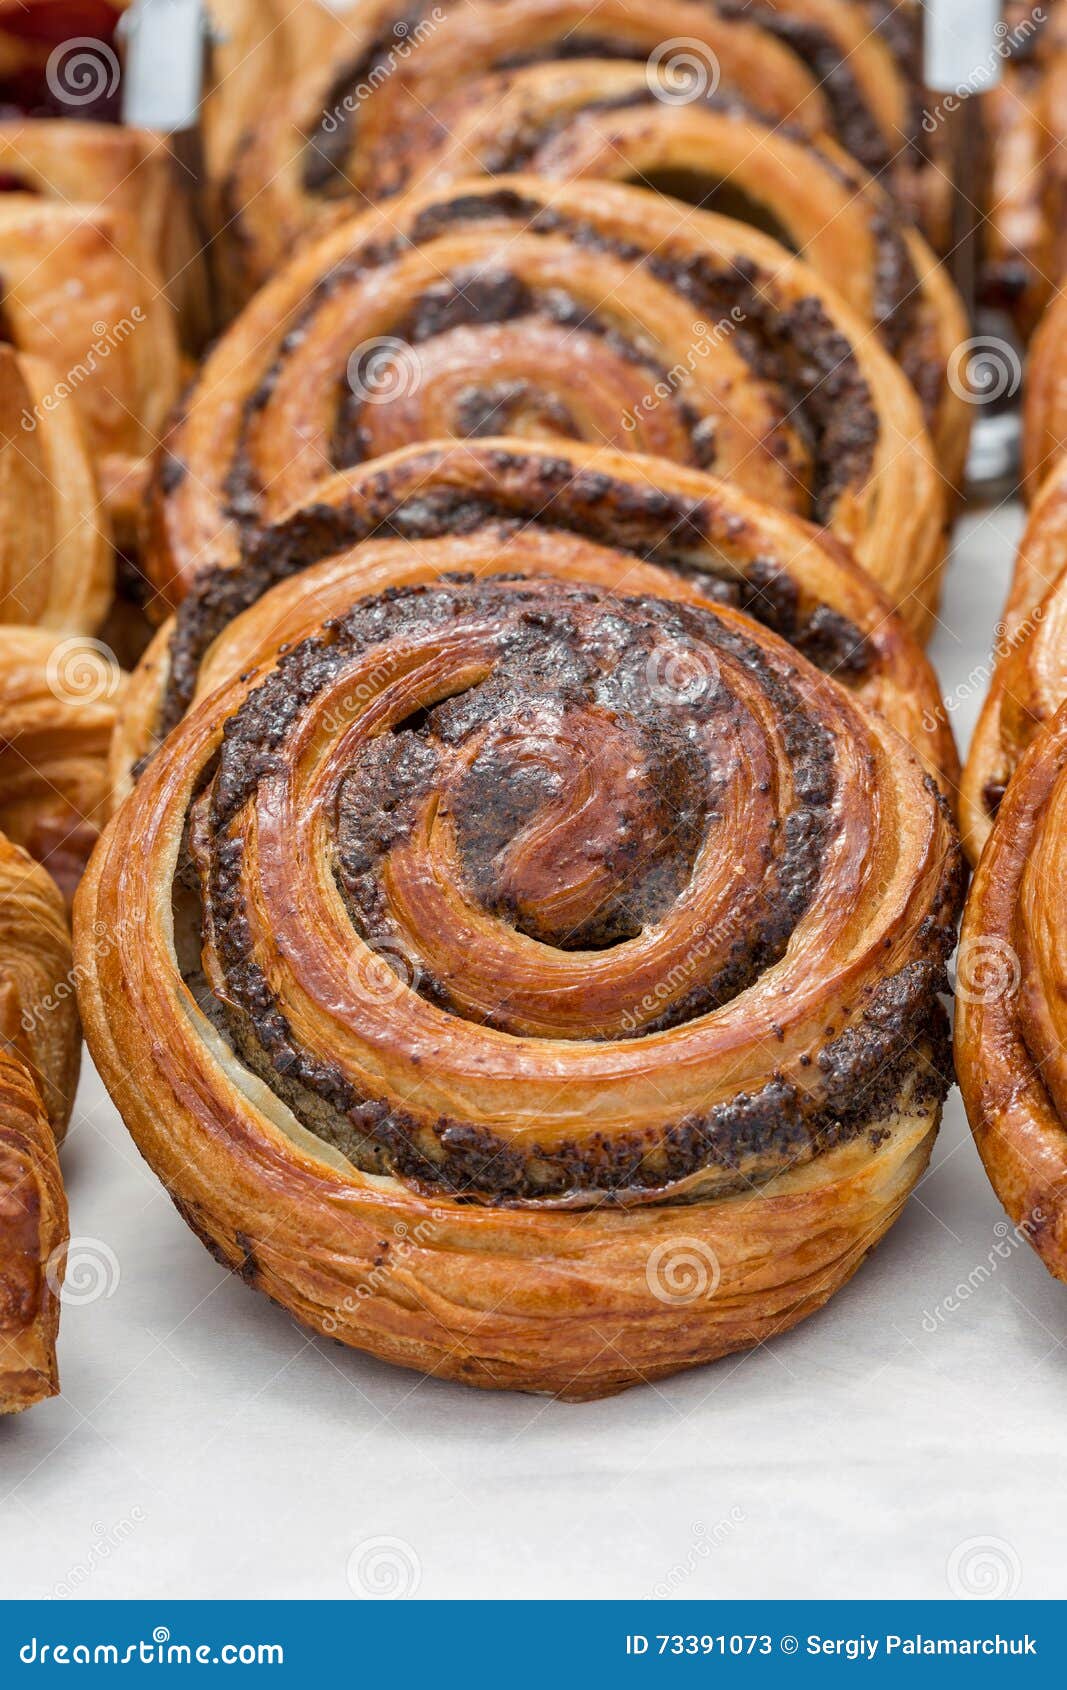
379, 94
620, 122
1010, 1029
516, 913
572, 512
519, 307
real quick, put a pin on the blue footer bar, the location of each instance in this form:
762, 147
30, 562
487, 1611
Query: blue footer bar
554, 1644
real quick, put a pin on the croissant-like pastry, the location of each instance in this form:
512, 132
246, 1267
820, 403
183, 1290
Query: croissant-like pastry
58, 701
39, 1053
611, 120
515, 949
370, 101
1010, 1000
1045, 403
577, 513
1029, 681
130, 173
78, 296
56, 568
516, 306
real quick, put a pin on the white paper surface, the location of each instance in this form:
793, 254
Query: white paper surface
205, 1446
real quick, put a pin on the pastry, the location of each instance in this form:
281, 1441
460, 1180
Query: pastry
1024, 247
1029, 679
572, 512
608, 119
1010, 998
530, 984
559, 310
133, 175
111, 338
1045, 403
56, 568
379, 93
58, 699
39, 1052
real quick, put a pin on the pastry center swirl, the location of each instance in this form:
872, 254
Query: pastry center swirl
473, 826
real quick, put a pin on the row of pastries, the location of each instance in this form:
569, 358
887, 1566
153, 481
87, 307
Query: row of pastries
470, 538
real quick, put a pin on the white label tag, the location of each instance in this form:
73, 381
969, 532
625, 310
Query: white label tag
961, 40
163, 76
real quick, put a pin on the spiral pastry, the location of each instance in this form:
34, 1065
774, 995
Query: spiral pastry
1010, 997
514, 947
39, 1054
379, 94
575, 513
617, 122
58, 700
534, 309
111, 337
56, 568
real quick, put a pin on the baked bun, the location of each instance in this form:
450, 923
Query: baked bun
553, 310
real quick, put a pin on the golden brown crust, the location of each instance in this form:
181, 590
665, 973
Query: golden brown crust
39, 1049
1009, 1025
1029, 680
58, 702
111, 339
602, 119
1024, 250
33, 1231
1045, 404
131, 173
56, 568
371, 99
449, 787
578, 512
516, 306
